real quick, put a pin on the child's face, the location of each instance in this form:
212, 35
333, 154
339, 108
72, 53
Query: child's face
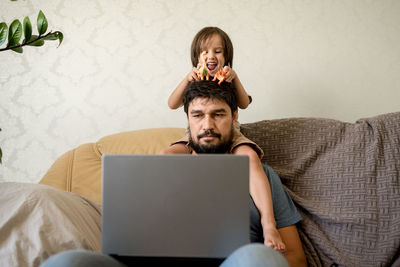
214, 58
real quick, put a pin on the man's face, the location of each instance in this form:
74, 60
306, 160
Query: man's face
210, 125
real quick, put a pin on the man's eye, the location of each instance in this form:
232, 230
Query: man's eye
219, 114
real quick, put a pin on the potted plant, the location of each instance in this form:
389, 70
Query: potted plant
18, 29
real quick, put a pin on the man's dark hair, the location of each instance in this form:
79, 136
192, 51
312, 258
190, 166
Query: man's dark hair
211, 90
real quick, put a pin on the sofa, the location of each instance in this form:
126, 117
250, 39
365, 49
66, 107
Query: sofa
344, 179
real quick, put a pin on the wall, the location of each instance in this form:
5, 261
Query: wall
120, 60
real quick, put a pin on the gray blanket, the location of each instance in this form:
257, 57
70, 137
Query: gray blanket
344, 179
37, 221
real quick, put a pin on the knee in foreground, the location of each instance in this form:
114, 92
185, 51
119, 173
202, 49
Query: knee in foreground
255, 255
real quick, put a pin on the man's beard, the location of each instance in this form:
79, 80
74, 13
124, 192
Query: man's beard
220, 148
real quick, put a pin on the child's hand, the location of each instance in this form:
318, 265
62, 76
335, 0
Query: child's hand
230, 74
193, 75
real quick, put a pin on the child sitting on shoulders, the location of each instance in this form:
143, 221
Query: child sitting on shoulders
211, 55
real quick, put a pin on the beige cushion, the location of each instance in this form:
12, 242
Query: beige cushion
79, 170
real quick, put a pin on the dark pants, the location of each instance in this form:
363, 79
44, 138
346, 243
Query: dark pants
256, 231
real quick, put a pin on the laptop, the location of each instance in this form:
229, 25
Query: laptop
174, 206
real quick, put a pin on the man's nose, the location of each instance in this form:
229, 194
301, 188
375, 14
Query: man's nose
208, 123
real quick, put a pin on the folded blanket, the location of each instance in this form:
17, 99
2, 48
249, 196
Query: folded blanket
37, 221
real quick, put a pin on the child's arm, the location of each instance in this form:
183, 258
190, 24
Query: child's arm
176, 98
243, 97
178, 148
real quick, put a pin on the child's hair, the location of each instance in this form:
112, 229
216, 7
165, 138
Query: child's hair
202, 36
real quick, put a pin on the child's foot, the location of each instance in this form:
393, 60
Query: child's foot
272, 238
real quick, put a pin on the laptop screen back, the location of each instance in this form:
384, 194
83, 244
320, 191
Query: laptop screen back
175, 205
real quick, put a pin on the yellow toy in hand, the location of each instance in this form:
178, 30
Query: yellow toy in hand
203, 71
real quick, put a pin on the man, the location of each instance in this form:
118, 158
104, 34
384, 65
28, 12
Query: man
211, 111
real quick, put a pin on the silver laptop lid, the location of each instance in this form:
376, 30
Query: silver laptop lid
175, 205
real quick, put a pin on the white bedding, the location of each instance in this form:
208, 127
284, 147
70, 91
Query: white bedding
37, 221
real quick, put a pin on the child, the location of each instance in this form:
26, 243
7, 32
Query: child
219, 55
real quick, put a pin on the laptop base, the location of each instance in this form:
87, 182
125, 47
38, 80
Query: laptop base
167, 261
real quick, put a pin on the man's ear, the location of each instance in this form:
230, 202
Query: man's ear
235, 116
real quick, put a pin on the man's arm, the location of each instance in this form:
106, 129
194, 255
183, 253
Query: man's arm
294, 253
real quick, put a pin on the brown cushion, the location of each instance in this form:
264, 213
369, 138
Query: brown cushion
79, 170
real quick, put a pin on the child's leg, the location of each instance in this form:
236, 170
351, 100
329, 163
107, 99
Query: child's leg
261, 193
178, 148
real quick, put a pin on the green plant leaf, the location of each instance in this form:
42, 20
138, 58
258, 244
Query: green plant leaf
37, 43
41, 23
33, 37
27, 29
17, 49
3, 32
14, 33
52, 36
55, 36
60, 37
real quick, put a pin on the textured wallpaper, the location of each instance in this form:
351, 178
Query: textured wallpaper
120, 60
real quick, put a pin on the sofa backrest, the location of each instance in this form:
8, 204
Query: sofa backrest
79, 170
